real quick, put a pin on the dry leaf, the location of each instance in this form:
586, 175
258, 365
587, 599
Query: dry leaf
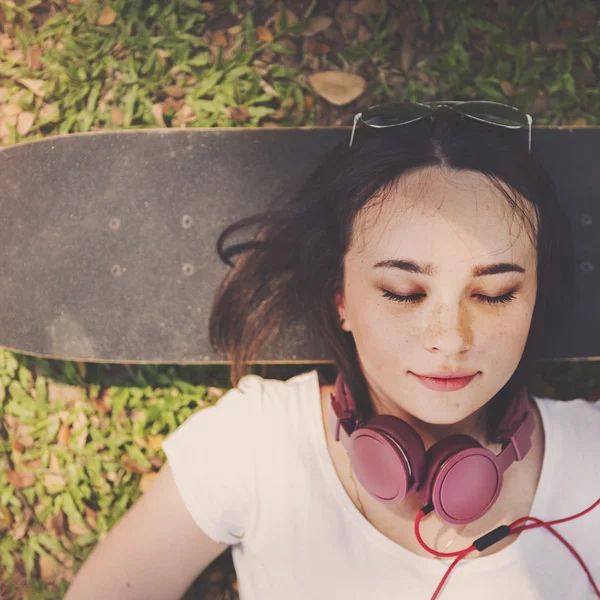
20, 479
314, 47
337, 87
316, 25
53, 483
343, 10
507, 88
367, 7
363, 34
48, 568
116, 116
63, 435
269, 90
107, 16
146, 481
76, 527
292, 19
155, 441
264, 34
214, 391
21, 526
6, 518
11, 109
220, 38
50, 112
579, 122
349, 27
25, 122
74, 395
34, 55
539, 105
175, 91
133, 466
239, 114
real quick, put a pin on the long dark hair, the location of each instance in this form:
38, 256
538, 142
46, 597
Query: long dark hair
290, 271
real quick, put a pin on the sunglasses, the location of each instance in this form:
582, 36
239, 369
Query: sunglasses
393, 114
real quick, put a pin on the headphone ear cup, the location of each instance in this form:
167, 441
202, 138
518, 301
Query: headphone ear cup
463, 480
388, 457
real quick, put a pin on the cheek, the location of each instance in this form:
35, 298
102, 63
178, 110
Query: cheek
383, 330
504, 343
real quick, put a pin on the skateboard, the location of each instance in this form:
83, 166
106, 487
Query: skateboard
109, 238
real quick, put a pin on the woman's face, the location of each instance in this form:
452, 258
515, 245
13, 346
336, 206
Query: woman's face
448, 223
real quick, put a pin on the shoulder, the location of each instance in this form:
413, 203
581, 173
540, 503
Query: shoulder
258, 395
571, 426
577, 415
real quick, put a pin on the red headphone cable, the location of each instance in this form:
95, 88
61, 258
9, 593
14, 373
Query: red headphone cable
489, 539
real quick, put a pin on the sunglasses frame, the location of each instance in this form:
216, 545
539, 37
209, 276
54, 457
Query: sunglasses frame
453, 105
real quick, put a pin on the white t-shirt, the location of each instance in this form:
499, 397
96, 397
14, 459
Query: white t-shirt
254, 471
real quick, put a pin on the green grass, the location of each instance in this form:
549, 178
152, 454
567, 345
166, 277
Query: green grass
156, 62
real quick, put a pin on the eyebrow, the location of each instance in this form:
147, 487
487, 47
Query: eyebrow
427, 269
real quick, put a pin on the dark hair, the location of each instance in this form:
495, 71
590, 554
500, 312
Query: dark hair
290, 272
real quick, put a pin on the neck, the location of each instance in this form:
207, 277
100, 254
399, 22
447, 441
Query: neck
431, 433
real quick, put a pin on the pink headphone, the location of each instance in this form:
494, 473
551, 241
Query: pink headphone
458, 476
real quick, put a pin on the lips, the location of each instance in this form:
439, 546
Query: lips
445, 384
447, 375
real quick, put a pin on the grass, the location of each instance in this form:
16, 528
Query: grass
68, 67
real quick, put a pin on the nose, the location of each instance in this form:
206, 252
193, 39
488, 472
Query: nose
449, 329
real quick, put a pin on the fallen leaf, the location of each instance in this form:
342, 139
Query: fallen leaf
34, 55
116, 116
507, 88
25, 122
292, 19
63, 435
220, 38
53, 483
367, 7
76, 526
264, 34
239, 114
20, 479
146, 481
314, 47
11, 109
579, 122
316, 25
214, 391
133, 466
337, 87
48, 568
74, 395
107, 16
6, 518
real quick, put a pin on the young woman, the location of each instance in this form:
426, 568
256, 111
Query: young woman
432, 259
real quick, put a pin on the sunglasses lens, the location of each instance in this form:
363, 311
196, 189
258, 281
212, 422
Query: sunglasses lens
493, 112
393, 113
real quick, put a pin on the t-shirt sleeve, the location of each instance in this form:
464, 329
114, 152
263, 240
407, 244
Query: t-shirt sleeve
213, 457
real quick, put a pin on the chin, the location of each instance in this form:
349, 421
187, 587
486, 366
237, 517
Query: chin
450, 414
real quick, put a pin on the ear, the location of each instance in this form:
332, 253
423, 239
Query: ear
341, 310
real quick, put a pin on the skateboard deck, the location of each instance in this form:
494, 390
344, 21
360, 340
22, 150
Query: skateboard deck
109, 238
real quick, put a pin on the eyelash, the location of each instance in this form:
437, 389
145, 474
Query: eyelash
505, 299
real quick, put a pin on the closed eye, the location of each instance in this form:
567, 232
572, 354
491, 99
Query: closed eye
414, 298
